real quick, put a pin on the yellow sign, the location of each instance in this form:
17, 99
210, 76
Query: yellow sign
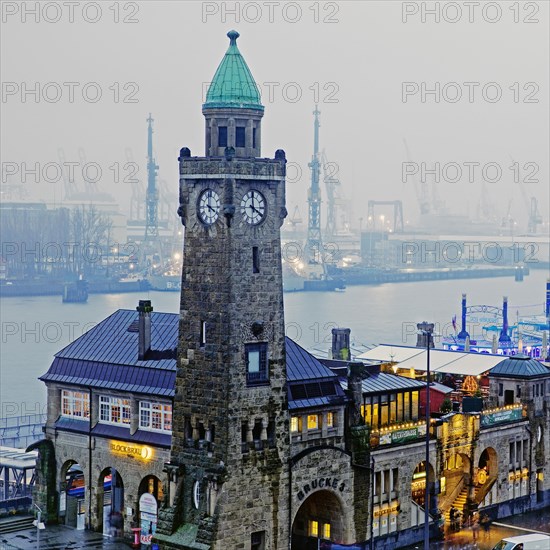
142, 452
482, 477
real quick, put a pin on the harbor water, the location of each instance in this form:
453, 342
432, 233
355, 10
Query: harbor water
36, 327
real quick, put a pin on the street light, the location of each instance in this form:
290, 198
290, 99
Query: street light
426, 330
39, 525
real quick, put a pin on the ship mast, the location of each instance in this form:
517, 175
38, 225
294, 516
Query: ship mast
313, 244
152, 197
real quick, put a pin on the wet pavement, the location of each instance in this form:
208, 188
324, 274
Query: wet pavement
469, 539
59, 537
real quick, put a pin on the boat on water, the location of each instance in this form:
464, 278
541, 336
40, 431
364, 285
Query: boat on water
75, 292
298, 276
165, 282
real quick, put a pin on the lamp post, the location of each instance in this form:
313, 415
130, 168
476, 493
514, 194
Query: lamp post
426, 330
39, 525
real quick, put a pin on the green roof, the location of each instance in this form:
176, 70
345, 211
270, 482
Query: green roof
233, 85
520, 366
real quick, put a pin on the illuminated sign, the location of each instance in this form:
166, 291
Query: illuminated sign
482, 477
142, 452
403, 435
503, 415
388, 510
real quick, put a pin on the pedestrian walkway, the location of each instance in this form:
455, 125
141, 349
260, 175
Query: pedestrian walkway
59, 537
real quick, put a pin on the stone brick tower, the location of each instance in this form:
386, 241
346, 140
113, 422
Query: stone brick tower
228, 475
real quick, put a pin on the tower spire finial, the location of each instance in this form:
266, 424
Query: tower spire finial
233, 35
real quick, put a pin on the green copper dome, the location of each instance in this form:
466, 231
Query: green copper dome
233, 85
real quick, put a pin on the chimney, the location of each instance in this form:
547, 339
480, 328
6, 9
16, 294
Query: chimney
144, 324
340, 344
356, 374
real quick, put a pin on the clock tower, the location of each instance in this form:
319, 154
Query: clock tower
228, 473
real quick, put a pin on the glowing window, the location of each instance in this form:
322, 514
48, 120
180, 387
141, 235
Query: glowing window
330, 420
313, 528
294, 424
312, 422
113, 410
326, 531
74, 403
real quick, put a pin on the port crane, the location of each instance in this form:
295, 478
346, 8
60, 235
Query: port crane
422, 191
152, 197
535, 219
137, 199
313, 242
398, 226
296, 217
70, 186
335, 199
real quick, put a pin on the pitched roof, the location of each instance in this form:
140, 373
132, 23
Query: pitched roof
301, 365
233, 85
387, 382
520, 366
107, 356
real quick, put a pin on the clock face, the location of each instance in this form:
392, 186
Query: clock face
209, 206
253, 207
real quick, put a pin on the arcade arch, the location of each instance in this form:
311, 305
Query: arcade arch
321, 516
110, 502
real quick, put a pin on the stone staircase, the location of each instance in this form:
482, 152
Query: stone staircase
16, 523
458, 503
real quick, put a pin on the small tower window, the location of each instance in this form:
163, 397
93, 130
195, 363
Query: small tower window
253, 138
222, 136
255, 260
203, 334
257, 540
256, 363
240, 136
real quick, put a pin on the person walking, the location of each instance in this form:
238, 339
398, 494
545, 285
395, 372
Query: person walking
485, 524
452, 516
475, 526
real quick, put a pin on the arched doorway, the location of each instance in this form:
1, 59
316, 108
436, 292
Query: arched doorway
110, 503
488, 463
320, 517
72, 495
150, 497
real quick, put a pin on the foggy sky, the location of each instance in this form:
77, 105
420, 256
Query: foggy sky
365, 54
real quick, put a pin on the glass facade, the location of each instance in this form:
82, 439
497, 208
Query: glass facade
387, 409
